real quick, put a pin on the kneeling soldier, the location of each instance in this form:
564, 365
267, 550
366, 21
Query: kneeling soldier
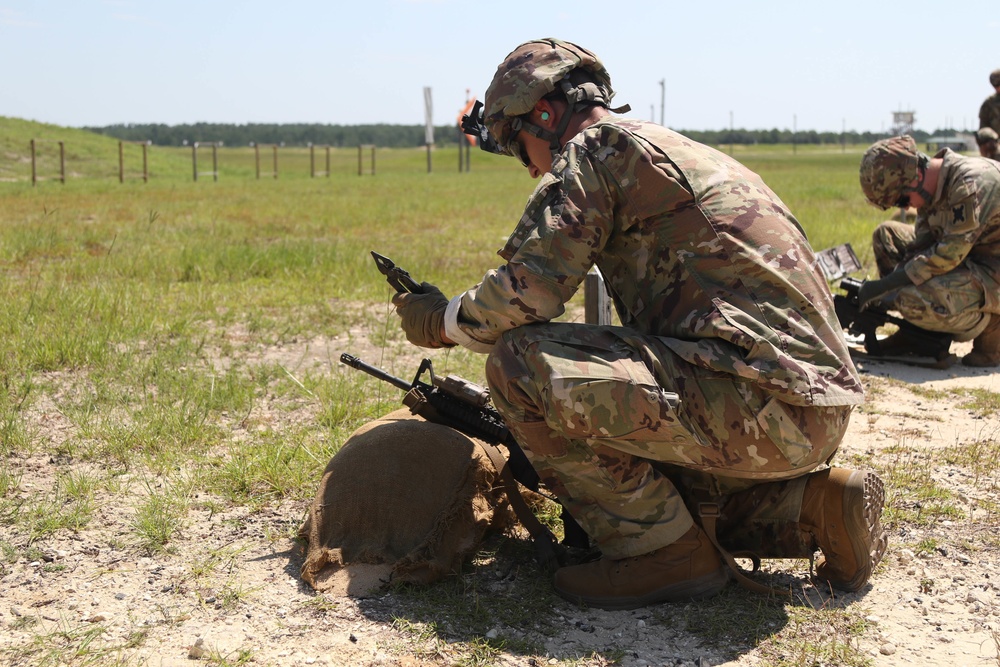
722, 305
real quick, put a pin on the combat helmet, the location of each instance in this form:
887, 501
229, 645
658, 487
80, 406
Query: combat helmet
995, 78
888, 168
530, 72
986, 135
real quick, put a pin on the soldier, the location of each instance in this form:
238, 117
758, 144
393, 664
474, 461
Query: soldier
722, 305
989, 112
942, 273
986, 139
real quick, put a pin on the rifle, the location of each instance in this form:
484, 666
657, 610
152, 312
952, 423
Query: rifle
864, 322
465, 407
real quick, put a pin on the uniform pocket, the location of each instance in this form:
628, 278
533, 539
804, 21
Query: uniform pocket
617, 398
780, 428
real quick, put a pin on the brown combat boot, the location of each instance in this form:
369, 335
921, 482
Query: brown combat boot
985, 346
842, 509
688, 569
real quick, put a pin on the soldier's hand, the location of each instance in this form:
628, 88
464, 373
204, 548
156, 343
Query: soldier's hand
873, 290
422, 316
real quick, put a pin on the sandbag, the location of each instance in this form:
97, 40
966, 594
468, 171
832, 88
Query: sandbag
404, 500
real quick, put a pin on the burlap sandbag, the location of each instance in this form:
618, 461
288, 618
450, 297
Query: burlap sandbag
404, 500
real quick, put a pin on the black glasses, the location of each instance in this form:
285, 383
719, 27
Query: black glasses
516, 148
472, 124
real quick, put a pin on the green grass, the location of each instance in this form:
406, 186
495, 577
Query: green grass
286, 258
165, 331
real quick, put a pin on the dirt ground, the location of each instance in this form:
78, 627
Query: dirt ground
230, 593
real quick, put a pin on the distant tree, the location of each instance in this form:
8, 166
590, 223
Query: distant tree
408, 136
294, 134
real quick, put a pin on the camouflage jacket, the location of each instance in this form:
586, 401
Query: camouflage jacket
961, 224
694, 247
989, 113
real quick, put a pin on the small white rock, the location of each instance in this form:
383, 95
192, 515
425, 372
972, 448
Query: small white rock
977, 595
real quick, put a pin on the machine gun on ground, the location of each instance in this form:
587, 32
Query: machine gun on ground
465, 406
865, 322
836, 263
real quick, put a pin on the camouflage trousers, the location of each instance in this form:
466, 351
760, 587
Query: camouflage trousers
593, 409
952, 303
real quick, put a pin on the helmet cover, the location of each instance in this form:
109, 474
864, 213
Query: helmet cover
532, 71
888, 168
986, 134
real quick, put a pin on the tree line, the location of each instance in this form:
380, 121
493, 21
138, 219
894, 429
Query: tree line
292, 134
776, 136
408, 136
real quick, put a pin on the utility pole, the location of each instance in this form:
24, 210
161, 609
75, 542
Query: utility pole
663, 97
731, 133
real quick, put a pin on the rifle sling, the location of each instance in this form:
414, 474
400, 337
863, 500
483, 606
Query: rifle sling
707, 515
545, 544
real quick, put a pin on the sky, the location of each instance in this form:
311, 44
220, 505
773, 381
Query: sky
803, 65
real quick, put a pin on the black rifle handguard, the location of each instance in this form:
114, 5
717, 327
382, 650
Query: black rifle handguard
866, 322
465, 407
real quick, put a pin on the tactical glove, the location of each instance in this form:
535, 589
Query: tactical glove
422, 315
873, 290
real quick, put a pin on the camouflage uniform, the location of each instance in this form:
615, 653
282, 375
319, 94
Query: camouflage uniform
989, 113
952, 253
988, 142
721, 302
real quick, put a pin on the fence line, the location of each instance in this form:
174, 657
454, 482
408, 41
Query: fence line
145, 160
62, 160
312, 161
256, 158
85, 163
360, 159
215, 160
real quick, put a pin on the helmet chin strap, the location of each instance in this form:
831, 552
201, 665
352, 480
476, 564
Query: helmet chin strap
922, 163
578, 98
551, 136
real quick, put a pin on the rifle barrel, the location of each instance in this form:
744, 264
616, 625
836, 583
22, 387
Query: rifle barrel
374, 371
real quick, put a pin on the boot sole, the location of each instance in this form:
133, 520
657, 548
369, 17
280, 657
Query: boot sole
863, 503
701, 588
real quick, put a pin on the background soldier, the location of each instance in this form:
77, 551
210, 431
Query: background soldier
986, 139
989, 112
943, 273
722, 305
